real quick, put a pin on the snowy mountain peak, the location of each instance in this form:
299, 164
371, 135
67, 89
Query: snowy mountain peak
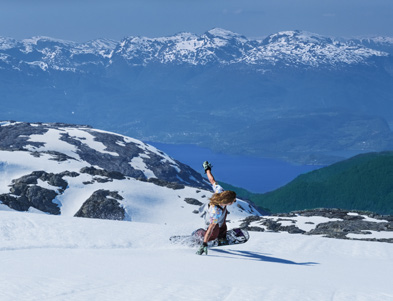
42, 42
225, 34
216, 46
7, 43
43, 39
297, 36
305, 48
100, 47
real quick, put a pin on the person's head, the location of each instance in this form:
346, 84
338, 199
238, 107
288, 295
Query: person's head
224, 198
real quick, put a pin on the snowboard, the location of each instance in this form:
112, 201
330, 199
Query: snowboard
234, 236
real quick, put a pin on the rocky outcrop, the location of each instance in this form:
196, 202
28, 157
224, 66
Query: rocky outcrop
103, 173
163, 183
193, 201
344, 224
270, 225
26, 192
102, 204
340, 229
340, 213
16, 137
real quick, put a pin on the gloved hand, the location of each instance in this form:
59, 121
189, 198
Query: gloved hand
202, 249
207, 166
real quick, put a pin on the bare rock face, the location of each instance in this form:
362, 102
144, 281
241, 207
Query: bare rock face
25, 192
342, 223
102, 204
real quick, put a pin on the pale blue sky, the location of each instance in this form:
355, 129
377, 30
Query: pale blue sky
83, 20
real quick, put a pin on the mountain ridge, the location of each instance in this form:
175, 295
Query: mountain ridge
215, 46
294, 95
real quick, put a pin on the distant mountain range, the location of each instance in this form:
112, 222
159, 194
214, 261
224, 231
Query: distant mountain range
293, 95
217, 46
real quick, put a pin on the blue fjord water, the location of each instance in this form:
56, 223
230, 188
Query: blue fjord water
257, 175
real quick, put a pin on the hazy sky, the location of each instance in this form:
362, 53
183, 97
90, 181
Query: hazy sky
83, 20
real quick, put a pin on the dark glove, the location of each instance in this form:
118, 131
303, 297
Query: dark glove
202, 249
207, 166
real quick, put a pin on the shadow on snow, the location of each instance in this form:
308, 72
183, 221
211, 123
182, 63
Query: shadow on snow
248, 255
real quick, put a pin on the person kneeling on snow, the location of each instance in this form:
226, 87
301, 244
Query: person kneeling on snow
216, 213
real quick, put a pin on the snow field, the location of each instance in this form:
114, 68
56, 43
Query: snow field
45, 257
64, 258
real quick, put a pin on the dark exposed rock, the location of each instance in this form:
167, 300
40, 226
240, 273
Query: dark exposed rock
328, 213
256, 229
102, 180
340, 213
102, 204
16, 137
32, 196
67, 173
42, 199
56, 156
270, 224
342, 228
102, 172
193, 201
25, 192
19, 204
171, 185
52, 179
19, 189
349, 222
276, 226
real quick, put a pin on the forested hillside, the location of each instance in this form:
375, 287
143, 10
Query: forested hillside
363, 182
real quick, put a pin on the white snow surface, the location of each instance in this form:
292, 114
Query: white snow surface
47, 257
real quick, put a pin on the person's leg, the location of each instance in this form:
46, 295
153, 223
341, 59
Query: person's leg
222, 231
215, 233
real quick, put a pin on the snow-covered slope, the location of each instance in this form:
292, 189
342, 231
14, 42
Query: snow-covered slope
68, 169
64, 258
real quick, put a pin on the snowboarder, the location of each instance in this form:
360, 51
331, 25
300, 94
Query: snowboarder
216, 211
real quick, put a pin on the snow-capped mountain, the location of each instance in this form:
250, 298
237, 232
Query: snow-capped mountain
219, 90
217, 46
384, 44
54, 54
303, 48
76, 170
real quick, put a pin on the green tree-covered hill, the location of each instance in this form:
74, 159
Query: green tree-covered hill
364, 182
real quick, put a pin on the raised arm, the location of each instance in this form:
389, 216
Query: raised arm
210, 177
208, 170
